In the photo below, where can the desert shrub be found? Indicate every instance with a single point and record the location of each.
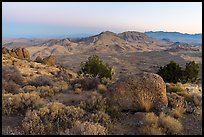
(41, 81)
(63, 74)
(191, 71)
(11, 73)
(100, 117)
(171, 72)
(113, 111)
(94, 103)
(51, 118)
(169, 124)
(195, 99)
(102, 88)
(60, 85)
(171, 87)
(87, 83)
(86, 128)
(12, 87)
(95, 68)
(11, 131)
(174, 100)
(18, 104)
(45, 91)
(77, 91)
(29, 88)
(145, 101)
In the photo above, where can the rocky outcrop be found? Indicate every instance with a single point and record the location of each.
(5, 50)
(21, 53)
(39, 59)
(137, 91)
(50, 60)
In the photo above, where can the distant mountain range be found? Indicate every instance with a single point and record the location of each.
(104, 42)
(193, 39)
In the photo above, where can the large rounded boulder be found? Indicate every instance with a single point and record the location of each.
(139, 92)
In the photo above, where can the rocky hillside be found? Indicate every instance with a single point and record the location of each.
(104, 42)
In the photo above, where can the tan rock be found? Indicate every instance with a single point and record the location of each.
(50, 60)
(139, 91)
(5, 50)
(26, 53)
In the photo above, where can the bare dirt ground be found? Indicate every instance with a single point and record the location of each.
(134, 62)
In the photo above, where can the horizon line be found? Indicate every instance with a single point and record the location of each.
(89, 35)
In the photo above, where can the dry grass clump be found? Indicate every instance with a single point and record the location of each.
(94, 103)
(151, 130)
(150, 119)
(52, 118)
(102, 88)
(41, 81)
(101, 118)
(86, 128)
(171, 87)
(177, 105)
(150, 125)
(145, 101)
(171, 125)
(178, 111)
(164, 124)
(18, 104)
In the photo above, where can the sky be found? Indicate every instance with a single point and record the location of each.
(79, 19)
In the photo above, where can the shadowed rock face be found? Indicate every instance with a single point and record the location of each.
(128, 92)
(21, 53)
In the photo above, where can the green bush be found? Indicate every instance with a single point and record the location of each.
(191, 71)
(95, 68)
(171, 72)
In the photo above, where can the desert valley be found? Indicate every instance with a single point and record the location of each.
(101, 68)
(49, 86)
